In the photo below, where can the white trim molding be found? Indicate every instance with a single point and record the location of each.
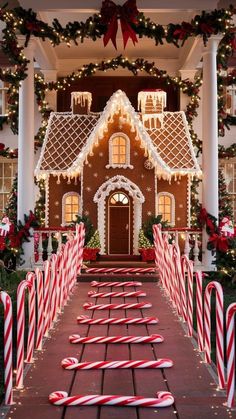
(171, 196)
(127, 164)
(71, 193)
(116, 183)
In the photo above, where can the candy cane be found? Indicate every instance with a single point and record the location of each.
(230, 329)
(199, 311)
(81, 239)
(119, 270)
(180, 283)
(46, 301)
(7, 304)
(61, 398)
(117, 339)
(187, 265)
(114, 320)
(53, 289)
(74, 364)
(115, 294)
(26, 284)
(219, 329)
(40, 319)
(91, 306)
(116, 284)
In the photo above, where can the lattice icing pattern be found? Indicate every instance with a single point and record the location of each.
(173, 143)
(66, 136)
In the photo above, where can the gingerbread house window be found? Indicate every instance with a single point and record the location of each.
(166, 207)
(119, 151)
(70, 207)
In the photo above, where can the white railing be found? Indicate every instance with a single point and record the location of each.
(189, 241)
(48, 240)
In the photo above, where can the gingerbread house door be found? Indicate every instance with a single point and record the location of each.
(119, 223)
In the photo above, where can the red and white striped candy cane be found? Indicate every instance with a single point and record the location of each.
(230, 330)
(116, 284)
(187, 266)
(61, 279)
(53, 288)
(115, 294)
(7, 304)
(182, 299)
(40, 318)
(125, 306)
(115, 320)
(26, 284)
(74, 364)
(30, 277)
(80, 248)
(219, 328)
(120, 270)
(61, 398)
(46, 298)
(154, 338)
(199, 311)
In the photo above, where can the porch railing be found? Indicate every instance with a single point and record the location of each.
(190, 242)
(48, 240)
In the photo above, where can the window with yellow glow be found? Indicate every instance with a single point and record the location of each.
(119, 150)
(71, 207)
(164, 207)
(8, 170)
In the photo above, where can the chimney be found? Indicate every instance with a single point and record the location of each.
(151, 103)
(81, 103)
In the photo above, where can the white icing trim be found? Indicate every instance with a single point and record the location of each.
(71, 193)
(171, 196)
(156, 96)
(119, 182)
(47, 201)
(188, 201)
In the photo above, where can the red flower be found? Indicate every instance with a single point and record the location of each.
(2, 243)
(2, 146)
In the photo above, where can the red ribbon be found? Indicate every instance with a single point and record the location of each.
(110, 13)
(219, 242)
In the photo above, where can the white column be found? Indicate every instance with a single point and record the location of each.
(210, 198)
(51, 95)
(26, 149)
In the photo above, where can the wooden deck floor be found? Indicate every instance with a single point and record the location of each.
(189, 380)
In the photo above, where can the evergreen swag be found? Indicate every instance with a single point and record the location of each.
(89, 228)
(148, 225)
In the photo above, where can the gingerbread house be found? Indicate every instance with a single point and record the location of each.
(118, 167)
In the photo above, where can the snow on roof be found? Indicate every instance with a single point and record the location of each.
(70, 138)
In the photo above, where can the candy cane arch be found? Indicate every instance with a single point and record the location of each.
(115, 294)
(116, 284)
(125, 306)
(61, 398)
(40, 319)
(230, 330)
(187, 265)
(116, 339)
(73, 364)
(26, 284)
(199, 311)
(219, 329)
(116, 320)
(120, 270)
(7, 304)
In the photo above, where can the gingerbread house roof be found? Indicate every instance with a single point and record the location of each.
(70, 138)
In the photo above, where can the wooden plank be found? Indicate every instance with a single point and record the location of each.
(118, 381)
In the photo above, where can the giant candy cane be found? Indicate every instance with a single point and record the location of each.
(120, 270)
(116, 284)
(61, 398)
(154, 338)
(82, 319)
(74, 364)
(91, 306)
(230, 329)
(40, 318)
(6, 300)
(115, 294)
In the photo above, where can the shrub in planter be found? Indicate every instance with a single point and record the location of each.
(92, 248)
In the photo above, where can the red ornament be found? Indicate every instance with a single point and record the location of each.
(110, 13)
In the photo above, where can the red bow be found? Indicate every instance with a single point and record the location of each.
(110, 13)
(203, 216)
(219, 243)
